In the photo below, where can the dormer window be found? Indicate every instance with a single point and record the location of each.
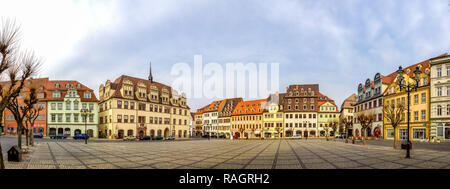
(87, 94)
(57, 85)
(78, 85)
(67, 85)
(56, 94)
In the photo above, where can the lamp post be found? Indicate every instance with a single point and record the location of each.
(408, 87)
(84, 113)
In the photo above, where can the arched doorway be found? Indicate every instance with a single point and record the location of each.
(368, 132)
(159, 133)
(377, 132)
(289, 133)
(120, 134)
(77, 131)
(322, 133)
(312, 133)
(298, 133)
(60, 131)
(166, 132)
(185, 134)
(90, 132)
(152, 133)
(141, 134)
(305, 134)
(179, 133)
(130, 132)
(357, 132)
(52, 131)
(67, 132)
(237, 134)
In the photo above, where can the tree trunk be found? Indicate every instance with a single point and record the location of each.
(395, 140)
(31, 137)
(19, 135)
(26, 137)
(2, 165)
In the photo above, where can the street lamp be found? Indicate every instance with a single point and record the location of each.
(408, 87)
(84, 113)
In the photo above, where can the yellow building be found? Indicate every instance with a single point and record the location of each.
(140, 107)
(273, 117)
(327, 112)
(419, 105)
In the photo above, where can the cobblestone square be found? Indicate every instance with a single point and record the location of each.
(226, 154)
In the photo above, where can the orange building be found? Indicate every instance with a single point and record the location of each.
(246, 120)
(40, 125)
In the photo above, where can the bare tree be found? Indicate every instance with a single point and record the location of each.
(394, 115)
(327, 127)
(347, 123)
(29, 103)
(334, 124)
(365, 119)
(15, 68)
(31, 117)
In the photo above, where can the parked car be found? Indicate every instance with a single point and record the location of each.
(81, 136)
(129, 138)
(58, 136)
(170, 138)
(340, 135)
(38, 135)
(298, 136)
(158, 138)
(222, 136)
(145, 138)
(205, 136)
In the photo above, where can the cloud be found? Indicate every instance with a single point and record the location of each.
(337, 44)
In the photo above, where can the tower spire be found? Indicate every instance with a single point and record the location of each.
(150, 77)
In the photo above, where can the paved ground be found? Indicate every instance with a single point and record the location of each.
(226, 154)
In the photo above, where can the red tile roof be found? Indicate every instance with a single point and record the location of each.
(50, 86)
(250, 107)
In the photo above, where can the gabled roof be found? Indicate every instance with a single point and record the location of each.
(50, 86)
(349, 101)
(251, 107)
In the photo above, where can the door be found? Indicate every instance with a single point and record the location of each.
(120, 134)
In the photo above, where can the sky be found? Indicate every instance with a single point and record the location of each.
(334, 43)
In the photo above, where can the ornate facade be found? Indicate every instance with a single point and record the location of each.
(440, 98)
(142, 107)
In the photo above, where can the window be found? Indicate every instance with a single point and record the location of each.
(125, 118)
(416, 99)
(75, 106)
(439, 72)
(424, 115)
(125, 104)
(87, 94)
(53, 105)
(448, 109)
(91, 118)
(67, 117)
(390, 133)
(448, 90)
(132, 105)
(119, 104)
(439, 91)
(403, 134)
(68, 105)
(119, 118)
(416, 116)
(53, 117)
(448, 70)
(419, 133)
(59, 117)
(60, 106)
(56, 94)
(91, 106)
(75, 118)
(439, 110)
(424, 98)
